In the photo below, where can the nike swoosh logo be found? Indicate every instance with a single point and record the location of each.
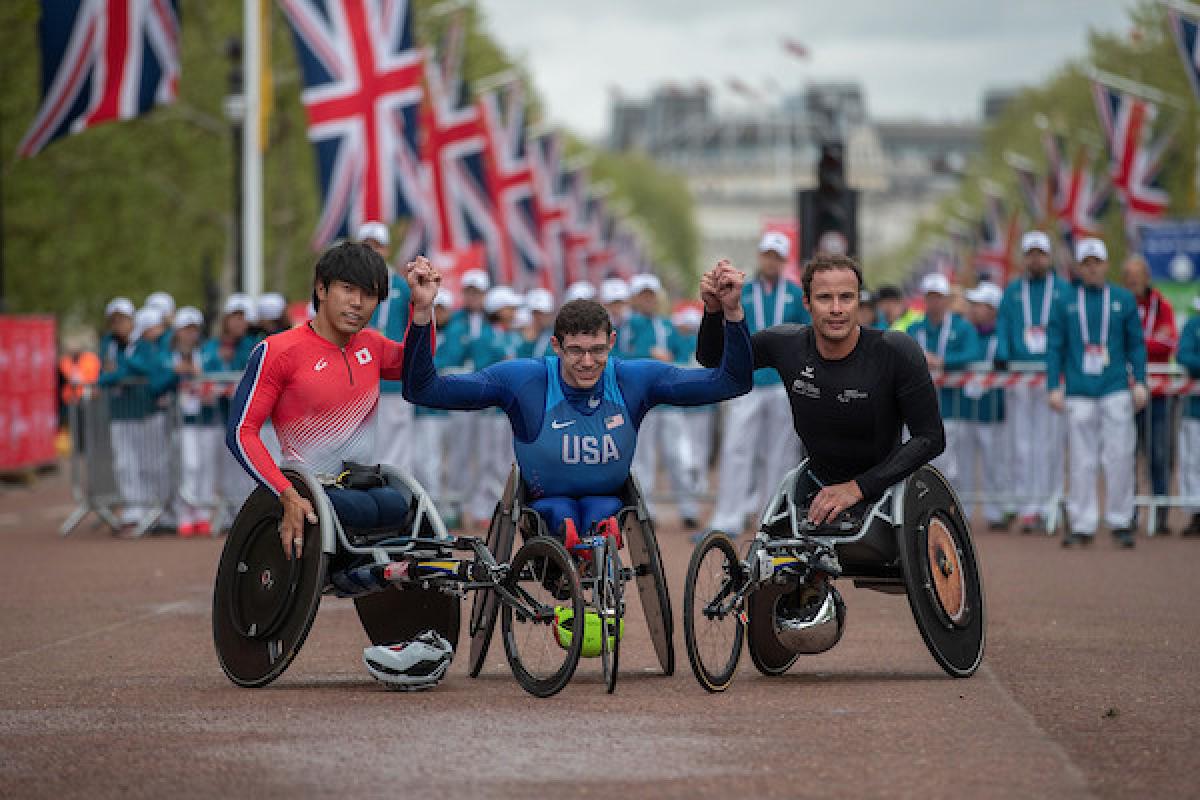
(555, 424)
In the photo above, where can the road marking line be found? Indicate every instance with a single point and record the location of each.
(1071, 769)
(164, 608)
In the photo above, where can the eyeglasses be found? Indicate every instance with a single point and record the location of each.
(577, 353)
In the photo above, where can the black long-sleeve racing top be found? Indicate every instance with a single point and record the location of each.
(850, 412)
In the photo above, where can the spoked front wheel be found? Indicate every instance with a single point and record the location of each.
(713, 627)
(609, 608)
(542, 617)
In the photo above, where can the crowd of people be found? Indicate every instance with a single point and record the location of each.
(1006, 445)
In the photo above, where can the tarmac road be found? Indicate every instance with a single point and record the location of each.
(111, 689)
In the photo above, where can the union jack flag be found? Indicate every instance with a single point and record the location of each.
(362, 92)
(1127, 121)
(102, 60)
(1080, 198)
(1186, 32)
(510, 178)
(577, 227)
(545, 153)
(997, 237)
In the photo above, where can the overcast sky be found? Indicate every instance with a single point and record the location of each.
(922, 58)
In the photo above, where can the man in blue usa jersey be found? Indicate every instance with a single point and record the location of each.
(575, 414)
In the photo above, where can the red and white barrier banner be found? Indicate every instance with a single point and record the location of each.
(1158, 383)
(28, 391)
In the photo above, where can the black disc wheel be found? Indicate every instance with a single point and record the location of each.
(484, 604)
(609, 608)
(264, 603)
(941, 574)
(767, 653)
(646, 562)
(713, 627)
(542, 617)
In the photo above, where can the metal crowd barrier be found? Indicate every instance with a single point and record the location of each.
(1157, 431)
(127, 464)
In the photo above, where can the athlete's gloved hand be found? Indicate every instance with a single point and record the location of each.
(296, 510)
(1141, 396)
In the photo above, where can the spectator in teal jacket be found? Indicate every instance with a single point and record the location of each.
(1188, 357)
(950, 343)
(1095, 343)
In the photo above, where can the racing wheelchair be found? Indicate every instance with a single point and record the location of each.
(603, 577)
(779, 596)
(403, 574)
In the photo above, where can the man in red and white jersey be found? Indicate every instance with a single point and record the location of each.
(319, 384)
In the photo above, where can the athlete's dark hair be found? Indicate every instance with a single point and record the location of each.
(824, 263)
(581, 316)
(354, 263)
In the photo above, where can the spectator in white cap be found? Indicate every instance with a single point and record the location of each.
(199, 434)
(755, 458)
(1038, 433)
(138, 421)
(950, 344)
(1095, 343)
(579, 290)
(648, 334)
(165, 305)
(431, 426)
(271, 315)
(394, 413)
(118, 315)
(1188, 357)
(540, 303)
(982, 444)
(614, 296)
(466, 327)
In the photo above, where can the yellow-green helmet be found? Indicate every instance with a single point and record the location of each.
(591, 630)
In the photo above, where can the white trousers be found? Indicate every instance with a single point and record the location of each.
(395, 431)
(462, 457)
(948, 461)
(658, 437)
(688, 468)
(1189, 459)
(495, 454)
(198, 447)
(759, 446)
(125, 466)
(1038, 449)
(430, 433)
(981, 466)
(1102, 438)
(142, 453)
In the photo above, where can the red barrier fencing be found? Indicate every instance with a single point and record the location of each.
(28, 391)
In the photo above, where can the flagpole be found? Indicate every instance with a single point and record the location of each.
(1135, 88)
(252, 214)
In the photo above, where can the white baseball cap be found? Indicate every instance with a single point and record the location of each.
(119, 305)
(444, 297)
(188, 315)
(374, 231)
(687, 317)
(146, 318)
(239, 302)
(579, 290)
(162, 301)
(540, 300)
(500, 297)
(775, 242)
(614, 290)
(476, 279)
(1196, 302)
(1090, 248)
(935, 283)
(1035, 240)
(271, 306)
(522, 318)
(644, 282)
(987, 293)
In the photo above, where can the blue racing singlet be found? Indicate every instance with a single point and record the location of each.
(579, 452)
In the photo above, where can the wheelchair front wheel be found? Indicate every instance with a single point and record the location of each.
(609, 608)
(543, 628)
(712, 627)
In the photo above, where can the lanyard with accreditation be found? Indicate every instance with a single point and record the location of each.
(1095, 356)
(1035, 335)
(780, 300)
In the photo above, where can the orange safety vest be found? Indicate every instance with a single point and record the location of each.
(78, 373)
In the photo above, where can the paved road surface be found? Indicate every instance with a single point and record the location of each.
(111, 689)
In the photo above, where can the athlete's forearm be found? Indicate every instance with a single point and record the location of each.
(694, 387)
(424, 386)
(919, 411)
